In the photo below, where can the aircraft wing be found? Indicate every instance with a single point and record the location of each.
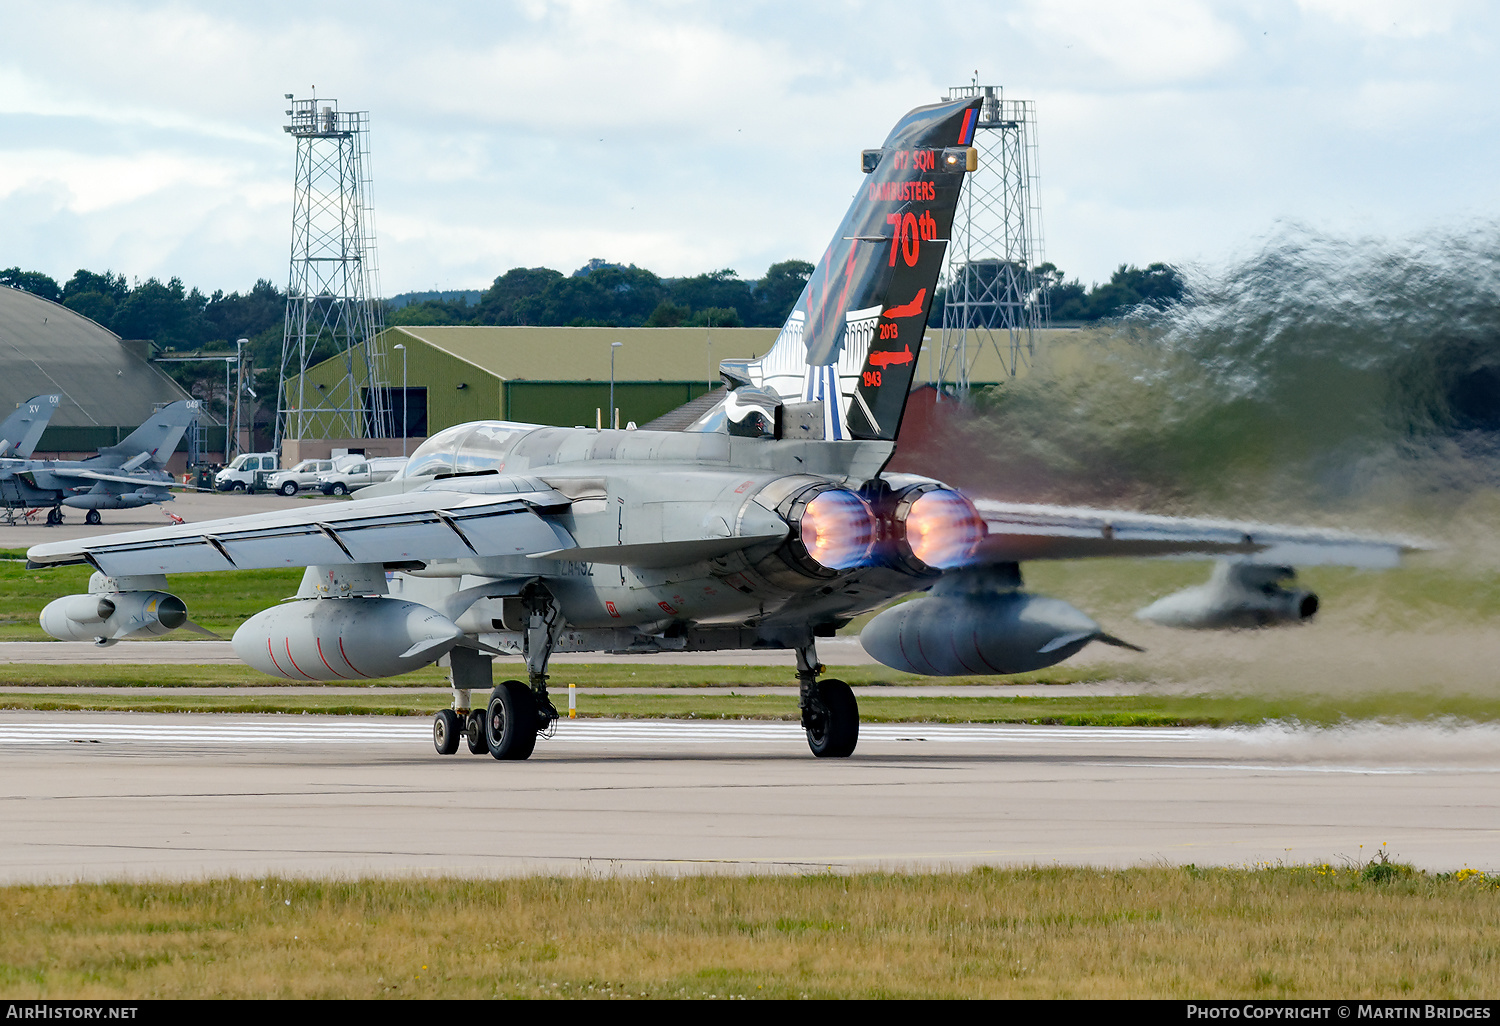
(94, 475)
(421, 525)
(1020, 531)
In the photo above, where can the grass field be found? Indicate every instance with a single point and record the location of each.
(582, 674)
(1443, 586)
(219, 602)
(1068, 710)
(1335, 930)
(1346, 929)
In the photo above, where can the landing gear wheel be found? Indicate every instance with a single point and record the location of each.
(510, 721)
(834, 734)
(92, 517)
(54, 517)
(289, 488)
(474, 733)
(445, 732)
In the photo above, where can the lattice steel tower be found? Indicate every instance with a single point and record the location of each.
(332, 305)
(993, 298)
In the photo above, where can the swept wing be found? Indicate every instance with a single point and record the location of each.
(1017, 532)
(421, 525)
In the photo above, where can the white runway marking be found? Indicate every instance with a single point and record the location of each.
(253, 733)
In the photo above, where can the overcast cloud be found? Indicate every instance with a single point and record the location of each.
(146, 138)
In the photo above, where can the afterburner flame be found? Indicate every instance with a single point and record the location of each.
(838, 529)
(943, 529)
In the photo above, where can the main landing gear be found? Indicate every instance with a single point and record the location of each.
(516, 713)
(54, 516)
(507, 726)
(830, 715)
(92, 517)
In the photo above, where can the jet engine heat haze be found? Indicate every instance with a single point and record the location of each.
(768, 523)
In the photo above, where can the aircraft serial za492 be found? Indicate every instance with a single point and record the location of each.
(766, 523)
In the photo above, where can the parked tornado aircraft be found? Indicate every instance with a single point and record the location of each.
(122, 476)
(766, 523)
(22, 430)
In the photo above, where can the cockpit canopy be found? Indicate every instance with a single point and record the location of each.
(466, 448)
(746, 411)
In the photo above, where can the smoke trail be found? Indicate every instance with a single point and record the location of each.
(1319, 370)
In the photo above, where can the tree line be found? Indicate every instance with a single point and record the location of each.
(598, 294)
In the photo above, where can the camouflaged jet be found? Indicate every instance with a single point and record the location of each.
(764, 521)
(22, 430)
(123, 476)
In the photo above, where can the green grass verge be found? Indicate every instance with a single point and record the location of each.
(1427, 588)
(1097, 711)
(220, 601)
(582, 674)
(1373, 930)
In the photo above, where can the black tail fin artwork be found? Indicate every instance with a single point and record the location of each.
(853, 339)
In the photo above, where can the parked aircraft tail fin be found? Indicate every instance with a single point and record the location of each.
(854, 337)
(158, 438)
(22, 430)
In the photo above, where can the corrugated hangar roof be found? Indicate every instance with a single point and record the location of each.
(45, 347)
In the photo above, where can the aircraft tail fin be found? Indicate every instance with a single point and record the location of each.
(22, 430)
(855, 334)
(158, 438)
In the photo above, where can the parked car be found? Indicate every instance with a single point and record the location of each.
(305, 474)
(239, 475)
(357, 475)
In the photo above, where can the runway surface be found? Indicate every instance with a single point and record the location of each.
(100, 796)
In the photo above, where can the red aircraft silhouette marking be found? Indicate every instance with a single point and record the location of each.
(886, 359)
(908, 309)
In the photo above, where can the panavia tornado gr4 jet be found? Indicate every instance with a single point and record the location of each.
(123, 476)
(766, 523)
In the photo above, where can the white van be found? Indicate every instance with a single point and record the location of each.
(239, 475)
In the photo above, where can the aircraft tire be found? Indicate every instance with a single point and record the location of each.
(92, 517)
(510, 721)
(837, 735)
(474, 733)
(445, 732)
(54, 517)
(289, 488)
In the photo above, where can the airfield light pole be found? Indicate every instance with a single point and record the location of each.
(228, 363)
(239, 380)
(405, 424)
(614, 414)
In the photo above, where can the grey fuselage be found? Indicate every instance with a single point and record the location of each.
(677, 533)
(27, 483)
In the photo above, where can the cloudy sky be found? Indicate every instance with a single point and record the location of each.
(684, 136)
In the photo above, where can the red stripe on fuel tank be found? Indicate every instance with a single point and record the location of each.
(319, 643)
(347, 663)
(294, 661)
(272, 653)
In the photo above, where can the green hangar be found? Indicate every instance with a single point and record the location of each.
(558, 376)
(536, 375)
